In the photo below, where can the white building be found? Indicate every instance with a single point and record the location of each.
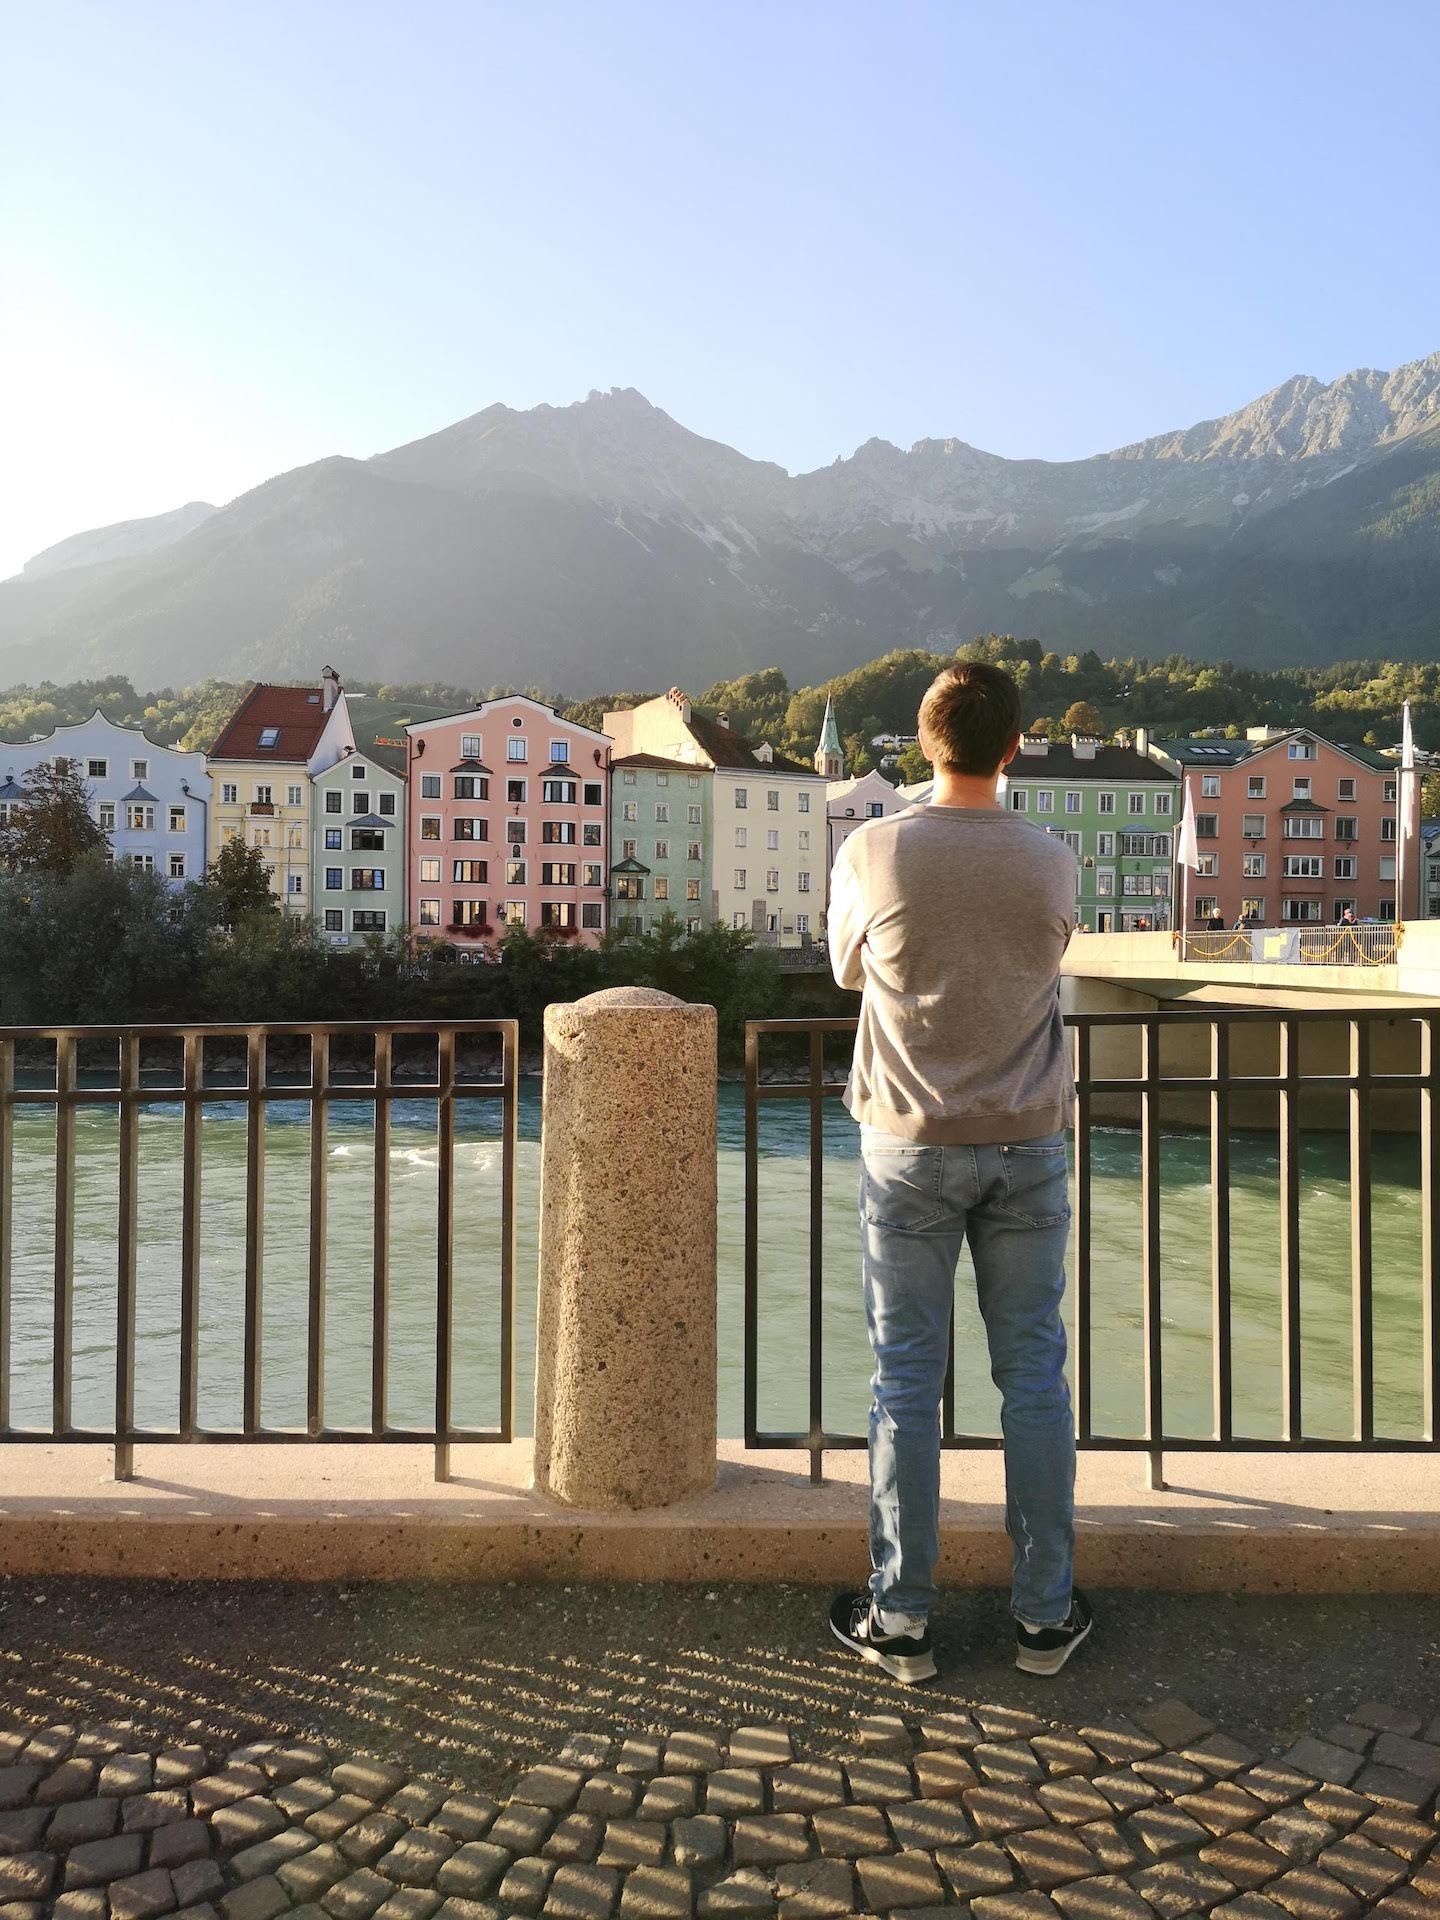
(151, 802)
(768, 859)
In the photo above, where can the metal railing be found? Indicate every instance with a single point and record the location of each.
(125, 1089)
(1368, 944)
(1217, 1088)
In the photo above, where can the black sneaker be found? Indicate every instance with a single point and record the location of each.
(904, 1656)
(1046, 1649)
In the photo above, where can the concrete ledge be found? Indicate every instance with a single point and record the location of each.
(1252, 1523)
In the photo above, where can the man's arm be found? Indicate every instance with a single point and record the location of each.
(845, 924)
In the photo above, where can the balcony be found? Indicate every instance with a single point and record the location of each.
(262, 809)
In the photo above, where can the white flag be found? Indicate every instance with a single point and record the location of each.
(1187, 844)
(1407, 765)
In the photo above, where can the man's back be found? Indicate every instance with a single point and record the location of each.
(954, 921)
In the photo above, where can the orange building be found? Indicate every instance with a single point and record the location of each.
(1293, 830)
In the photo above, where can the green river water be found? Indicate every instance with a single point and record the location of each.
(1117, 1316)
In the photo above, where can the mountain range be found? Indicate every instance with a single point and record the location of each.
(602, 544)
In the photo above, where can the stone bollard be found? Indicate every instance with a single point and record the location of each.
(625, 1336)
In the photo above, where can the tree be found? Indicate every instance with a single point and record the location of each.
(238, 884)
(51, 830)
(1430, 796)
(912, 766)
(1083, 716)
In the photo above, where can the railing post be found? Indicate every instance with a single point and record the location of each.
(625, 1388)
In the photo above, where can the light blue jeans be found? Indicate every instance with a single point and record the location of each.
(917, 1205)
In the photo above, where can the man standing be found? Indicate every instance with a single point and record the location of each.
(952, 918)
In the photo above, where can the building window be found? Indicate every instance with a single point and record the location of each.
(1301, 789)
(630, 886)
(1162, 805)
(1387, 829)
(662, 849)
(772, 880)
(739, 922)
(557, 873)
(628, 849)
(367, 879)
(177, 819)
(692, 816)
(140, 818)
(558, 793)
(1105, 883)
(1072, 840)
(594, 793)
(742, 796)
(140, 769)
(1107, 803)
(1253, 826)
(387, 806)
(334, 920)
(466, 873)
(1252, 907)
(514, 873)
(772, 840)
(1105, 845)
(229, 794)
(1137, 803)
(471, 786)
(1342, 905)
(469, 746)
(629, 777)
(1303, 866)
(1306, 910)
(1255, 786)
(1347, 826)
(662, 887)
(802, 923)
(515, 793)
(334, 802)
(557, 833)
(694, 850)
(333, 838)
(739, 879)
(662, 813)
(772, 799)
(590, 876)
(804, 883)
(1044, 801)
(515, 747)
(1207, 825)
(97, 769)
(1344, 866)
(1252, 866)
(1346, 790)
(592, 834)
(297, 883)
(802, 802)
(145, 862)
(629, 810)
(742, 836)
(105, 816)
(1207, 865)
(1209, 786)
(513, 913)
(1019, 800)
(368, 920)
(1305, 826)
(590, 914)
(466, 827)
(1205, 905)
(264, 796)
(1072, 800)
(692, 889)
(294, 796)
(334, 879)
(357, 769)
(429, 786)
(802, 836)
(559, 753)
(557, 913)
(430, 871)
(177, 866)
(429, 913)
(1387, 866)
(1302, 749)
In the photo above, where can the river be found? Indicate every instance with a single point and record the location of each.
(1117, 1315)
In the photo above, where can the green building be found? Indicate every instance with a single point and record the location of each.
(1118, 811)
(661, 833)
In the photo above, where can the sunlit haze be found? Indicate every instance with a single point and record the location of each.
(239, 238)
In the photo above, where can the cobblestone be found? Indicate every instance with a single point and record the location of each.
(990, 1808)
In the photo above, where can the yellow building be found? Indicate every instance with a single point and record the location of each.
(261, 768)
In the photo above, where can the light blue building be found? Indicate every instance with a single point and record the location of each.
(152, 802)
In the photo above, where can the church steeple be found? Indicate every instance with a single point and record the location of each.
(830, 755)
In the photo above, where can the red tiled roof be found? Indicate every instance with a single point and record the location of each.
(728, 749)
(298, 712)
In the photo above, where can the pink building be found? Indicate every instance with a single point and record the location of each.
(508, 824)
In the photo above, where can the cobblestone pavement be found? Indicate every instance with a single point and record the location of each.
(989, 1812)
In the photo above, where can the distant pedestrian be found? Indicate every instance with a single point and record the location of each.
(1215, 920)
(953, 918)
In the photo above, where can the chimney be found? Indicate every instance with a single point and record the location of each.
(682, 701)
(1142, 741)
(330, 687)
(723, 720)
(1084, 746)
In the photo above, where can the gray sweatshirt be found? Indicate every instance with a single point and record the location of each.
(953, 921)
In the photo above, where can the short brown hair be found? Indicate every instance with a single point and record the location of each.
(971, 713)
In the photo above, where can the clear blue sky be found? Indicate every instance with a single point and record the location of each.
(240, 236)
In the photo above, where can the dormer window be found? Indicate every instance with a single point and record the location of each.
(1302, 749)
(357, 773)
(269, 737)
